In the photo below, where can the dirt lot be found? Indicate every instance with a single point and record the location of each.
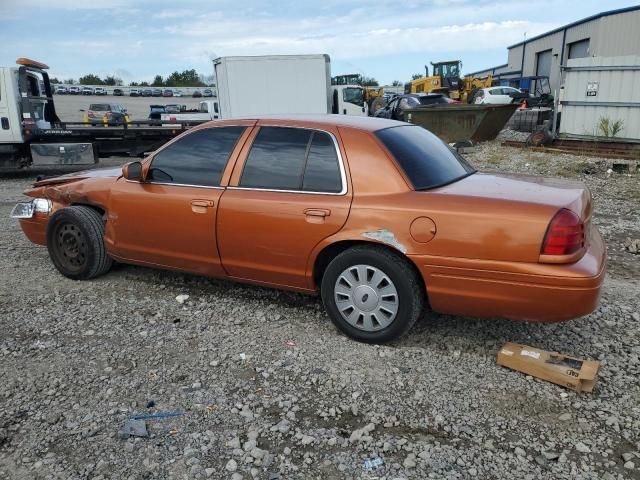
(269, 389)
(68, 106)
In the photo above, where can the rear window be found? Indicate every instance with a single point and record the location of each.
(425, 159)
(432, 100)
(99, 107)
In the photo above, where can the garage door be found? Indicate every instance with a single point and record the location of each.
(543, 63)
(579, 49)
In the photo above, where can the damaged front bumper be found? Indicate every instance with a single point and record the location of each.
(34, 217)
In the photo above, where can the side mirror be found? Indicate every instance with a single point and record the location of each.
(132, 171)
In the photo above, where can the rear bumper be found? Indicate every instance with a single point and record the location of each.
(517, 291)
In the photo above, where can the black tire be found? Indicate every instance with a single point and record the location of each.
(75, 240)
(409, 287)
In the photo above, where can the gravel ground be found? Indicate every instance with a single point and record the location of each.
(269, 389)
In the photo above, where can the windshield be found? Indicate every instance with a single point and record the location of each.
(353, 95)
(425, 159)
(99, 107)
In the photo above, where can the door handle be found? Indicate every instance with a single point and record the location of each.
(202, 203)
(201, 206)
(317, 212)
(5, 123)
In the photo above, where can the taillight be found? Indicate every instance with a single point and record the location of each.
(565, 234)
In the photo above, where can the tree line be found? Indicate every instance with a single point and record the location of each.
(186, 78)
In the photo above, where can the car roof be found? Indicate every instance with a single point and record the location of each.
(371, 124)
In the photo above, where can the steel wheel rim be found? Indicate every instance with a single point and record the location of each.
(70, 246)
(366, 298)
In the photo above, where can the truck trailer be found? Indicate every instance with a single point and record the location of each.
(288, 84)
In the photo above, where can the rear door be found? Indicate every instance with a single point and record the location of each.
(288, 192)
(170, 219)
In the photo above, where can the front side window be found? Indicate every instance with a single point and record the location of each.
(284, 158)
(196, 159)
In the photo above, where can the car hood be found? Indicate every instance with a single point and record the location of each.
(75, 176)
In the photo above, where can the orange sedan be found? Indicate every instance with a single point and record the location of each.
(379, 217)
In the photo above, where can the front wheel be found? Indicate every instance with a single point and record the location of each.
(75, 240)
(372, 294)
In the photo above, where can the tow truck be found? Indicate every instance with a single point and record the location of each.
(33, 137)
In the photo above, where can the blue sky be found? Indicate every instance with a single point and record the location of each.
(389, 40)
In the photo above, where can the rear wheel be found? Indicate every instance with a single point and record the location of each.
(372, 294)
(75, 243)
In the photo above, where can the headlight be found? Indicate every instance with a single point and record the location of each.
(27, 209)
(42, 205)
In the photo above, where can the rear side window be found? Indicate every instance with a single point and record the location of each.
(425, 159)
(196, 159)
(322, 172)
(283, 158)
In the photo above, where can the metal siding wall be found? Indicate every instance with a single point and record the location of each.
(515, 58)
(588, 30)
(619, 35)
(614, 86)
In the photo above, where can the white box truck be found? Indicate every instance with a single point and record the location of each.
(274, 85)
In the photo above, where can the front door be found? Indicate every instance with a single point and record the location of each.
(288, 195)
(169, 220)
(9, 121)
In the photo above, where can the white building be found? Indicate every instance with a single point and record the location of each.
(608, 34)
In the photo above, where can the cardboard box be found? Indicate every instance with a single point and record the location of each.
(570, 372)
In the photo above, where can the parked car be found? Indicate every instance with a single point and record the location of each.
(396, 107)
(156, 92)
(167, 92)
(375, 216)
(87, 91)
(172, 108)
(156, 111)
(177, 93)
(207, 92)
(134, 92)
(61, 90)
(196, 94)
(111, 112)
(147, 92)
(117, 92)
(496, 95)
(100, 91)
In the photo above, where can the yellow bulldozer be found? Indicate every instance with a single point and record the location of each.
(446, 79)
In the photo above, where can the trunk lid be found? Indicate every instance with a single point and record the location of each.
(525, 189)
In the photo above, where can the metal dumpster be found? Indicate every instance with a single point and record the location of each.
(460, 122)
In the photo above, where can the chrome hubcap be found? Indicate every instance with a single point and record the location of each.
(366, 298)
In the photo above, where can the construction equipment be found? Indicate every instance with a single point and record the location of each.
(446, 79)
(536, 91)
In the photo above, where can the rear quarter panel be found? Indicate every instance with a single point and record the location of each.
(384, 207)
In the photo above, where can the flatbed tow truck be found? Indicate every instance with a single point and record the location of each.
(33, 137)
